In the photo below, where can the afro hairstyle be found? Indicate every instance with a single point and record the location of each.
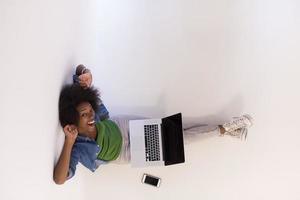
(70, 97)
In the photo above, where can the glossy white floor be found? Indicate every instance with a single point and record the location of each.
(207, 59)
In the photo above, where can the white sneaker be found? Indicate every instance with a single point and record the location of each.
(238, 133)
(244, 121)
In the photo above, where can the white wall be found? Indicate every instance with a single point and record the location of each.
(209, 60)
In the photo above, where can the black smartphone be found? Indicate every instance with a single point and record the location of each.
(151, 180)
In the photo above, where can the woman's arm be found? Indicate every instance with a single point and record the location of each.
(62, 167)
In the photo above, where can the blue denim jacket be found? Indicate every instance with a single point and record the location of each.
(85, 150)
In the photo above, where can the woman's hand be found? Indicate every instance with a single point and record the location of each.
(84, 75)
(71, 133)
(85, 80)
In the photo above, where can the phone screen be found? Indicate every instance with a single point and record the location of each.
(151, 180)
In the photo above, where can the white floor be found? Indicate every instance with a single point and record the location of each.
(209, 60)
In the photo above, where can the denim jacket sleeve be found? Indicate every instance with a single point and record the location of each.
(101, 113)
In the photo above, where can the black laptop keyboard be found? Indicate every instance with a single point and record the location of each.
(152, 142)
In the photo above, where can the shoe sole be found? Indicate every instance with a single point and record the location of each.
(249, 118)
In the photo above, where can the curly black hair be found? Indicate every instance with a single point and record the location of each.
(70, 97)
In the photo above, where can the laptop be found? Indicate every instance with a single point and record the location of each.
(156, 142)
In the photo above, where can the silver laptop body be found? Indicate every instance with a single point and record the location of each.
(146, 143)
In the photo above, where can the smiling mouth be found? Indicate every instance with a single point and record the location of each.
(90, 123)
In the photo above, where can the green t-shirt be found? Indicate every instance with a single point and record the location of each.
(109, 139)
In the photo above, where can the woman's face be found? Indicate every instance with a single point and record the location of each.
(86, 118)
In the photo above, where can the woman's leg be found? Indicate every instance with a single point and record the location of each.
(193, 132)
(237, 127)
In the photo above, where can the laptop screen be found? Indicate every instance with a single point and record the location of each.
(172, 139)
